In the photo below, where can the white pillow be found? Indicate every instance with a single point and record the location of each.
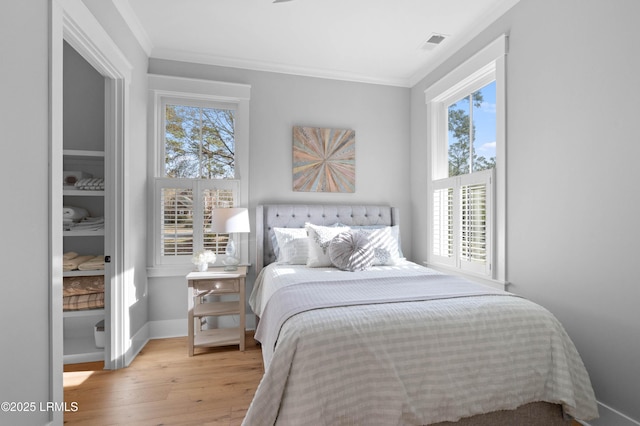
(351, 251)
(395, 232)
(293, 245)
(384, 243)
(319, 239)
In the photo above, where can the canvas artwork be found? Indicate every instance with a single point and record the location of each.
(324, 160)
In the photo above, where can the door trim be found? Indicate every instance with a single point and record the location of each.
(72, 22)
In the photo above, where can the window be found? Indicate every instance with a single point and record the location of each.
(466, 188)
(200, 144)
(472, 132)
(199, 141)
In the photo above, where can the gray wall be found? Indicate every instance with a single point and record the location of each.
(83, 103)
(378, 114)
(572, 196)
(24, 360)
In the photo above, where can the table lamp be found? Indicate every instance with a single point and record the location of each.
(229, 221)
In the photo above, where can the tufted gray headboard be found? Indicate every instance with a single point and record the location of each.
(269, 216)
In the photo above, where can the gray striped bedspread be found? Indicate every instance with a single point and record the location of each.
(410, 363)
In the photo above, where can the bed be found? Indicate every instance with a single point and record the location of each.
(384, 341)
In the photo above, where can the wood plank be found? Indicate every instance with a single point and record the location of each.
(163, 385)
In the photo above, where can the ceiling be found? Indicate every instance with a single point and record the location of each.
(373, 41)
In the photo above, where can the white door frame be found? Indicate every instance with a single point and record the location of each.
(72, 22)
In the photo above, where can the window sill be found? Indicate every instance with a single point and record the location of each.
(500, 285)
(165, 271)
(161, 271)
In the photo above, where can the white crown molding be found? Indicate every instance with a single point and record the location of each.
(131, 19)
(451, 46)
(183, 56)
(458, 43)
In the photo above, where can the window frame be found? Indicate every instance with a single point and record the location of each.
(201, 93)
(481, 69)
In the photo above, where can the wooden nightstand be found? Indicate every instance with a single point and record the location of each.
(216, 282)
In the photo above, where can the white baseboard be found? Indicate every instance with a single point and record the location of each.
(154, 330)
(167, 328)
(136, 343)
(178, 328)
(611, 417)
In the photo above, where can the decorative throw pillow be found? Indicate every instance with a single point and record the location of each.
(351, 251)
(384, 243)
(292, 245)
(395, 233)
(319, 239)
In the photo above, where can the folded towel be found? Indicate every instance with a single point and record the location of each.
(93, 184)
(74, 213)
(76, 286)
(94, 264)
(86, 224)
(69, 255)
(72, 264)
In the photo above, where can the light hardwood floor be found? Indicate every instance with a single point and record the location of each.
(163, 385)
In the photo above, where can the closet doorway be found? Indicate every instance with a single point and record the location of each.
(87, 218)
(75, 29)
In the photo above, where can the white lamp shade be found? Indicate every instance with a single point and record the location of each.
(229, 220)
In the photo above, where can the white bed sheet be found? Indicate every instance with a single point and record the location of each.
(277, 275)
(413, 363)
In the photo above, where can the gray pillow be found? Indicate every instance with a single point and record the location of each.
(351, 251)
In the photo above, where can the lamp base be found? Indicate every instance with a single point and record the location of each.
(230, 263)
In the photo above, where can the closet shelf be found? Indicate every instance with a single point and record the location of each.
(82, 193)
(82, 153)
(93, 273)
(83, 233)
(84, 313)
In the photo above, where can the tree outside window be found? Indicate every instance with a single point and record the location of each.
(472, 132)
(199, 142)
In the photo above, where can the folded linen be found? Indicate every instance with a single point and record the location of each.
(92, 184)
(69, 255)
(76, 286)
(93, 264)
(83, 302)
(74, 213)
(72, 264)
(88, 224)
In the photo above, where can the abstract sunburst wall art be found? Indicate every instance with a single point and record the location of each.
(324, 160)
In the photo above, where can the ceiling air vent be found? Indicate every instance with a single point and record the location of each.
(433, 40)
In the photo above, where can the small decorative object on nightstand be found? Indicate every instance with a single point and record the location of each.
(216, 282)
(202, 259)
(229, 221)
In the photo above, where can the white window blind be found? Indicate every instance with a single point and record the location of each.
(186, 207)
(211, 199)
(177, 221)
(462, 221)
(443, 223)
